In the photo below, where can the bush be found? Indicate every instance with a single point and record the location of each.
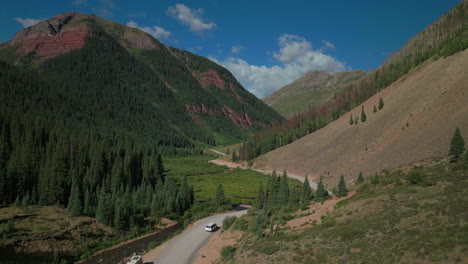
(269, 248)
(152, 245)
(228, 221)
(241, 225)
(227, 253)
(414, 177)
(363, 188)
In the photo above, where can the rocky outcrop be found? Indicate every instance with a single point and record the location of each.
(52, 37)
(66, 32)
(242, 120)
(210, 77)
(54, 45)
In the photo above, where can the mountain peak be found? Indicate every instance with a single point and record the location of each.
(67, 31)
(311, 89)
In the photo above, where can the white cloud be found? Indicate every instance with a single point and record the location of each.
(27, 22)
(328, 44)
(155, 31)
(296, 58)
(236, 49)
(191, 17)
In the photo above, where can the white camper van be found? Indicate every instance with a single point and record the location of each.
(136, 259)
(211, 227)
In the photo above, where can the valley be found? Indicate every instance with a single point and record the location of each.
(125, 133)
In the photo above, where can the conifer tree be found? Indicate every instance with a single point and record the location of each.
(457, 146)
(381, 103)
(74, 202)
(363, 115)
(220, 194)
(118, 222)
(259, 202)
(160, 172)
(306, 191)
(234, 158)
(360, 178)
(342, 190)
(283, 194)
(321, 194)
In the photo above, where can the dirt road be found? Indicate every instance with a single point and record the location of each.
(184, 247)
(312, 184)
(218, 152)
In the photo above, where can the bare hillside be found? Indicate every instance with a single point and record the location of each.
(417, 122)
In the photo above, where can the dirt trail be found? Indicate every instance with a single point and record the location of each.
(316, 210)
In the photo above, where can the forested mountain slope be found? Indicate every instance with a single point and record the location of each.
(312, 89)
(190, 97)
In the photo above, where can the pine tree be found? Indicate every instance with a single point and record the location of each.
(321, 194)
(10, 226)
(306, 191)
(87, 210)
(351, 120)
(118, 221)
(74, 202)
(342, 190)
(457, 146)
(363, 115)
(220, 194)
(260, 197)
(283, 193)
(234, 158)
(160, 172)
(360, 178)
(381, 103)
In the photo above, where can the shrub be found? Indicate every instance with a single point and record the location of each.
(241, 224)
(227, 253)
(228, 221)
(269, 248)
(152, 245)
(414, 177)
(363, 188)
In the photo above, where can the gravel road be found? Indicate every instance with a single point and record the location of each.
(183, 248)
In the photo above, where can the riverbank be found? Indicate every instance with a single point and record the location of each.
(121, 252)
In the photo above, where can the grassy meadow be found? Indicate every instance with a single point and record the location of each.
(240, 186)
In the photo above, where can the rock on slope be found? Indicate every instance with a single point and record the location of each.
(311, 89)
(417, 122)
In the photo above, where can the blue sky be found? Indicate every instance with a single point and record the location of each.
(266, 44)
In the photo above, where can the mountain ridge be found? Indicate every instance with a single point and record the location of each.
(421, 111)
(205, 91)
(310, 90)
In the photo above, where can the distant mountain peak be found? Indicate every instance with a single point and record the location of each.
(312, 88)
